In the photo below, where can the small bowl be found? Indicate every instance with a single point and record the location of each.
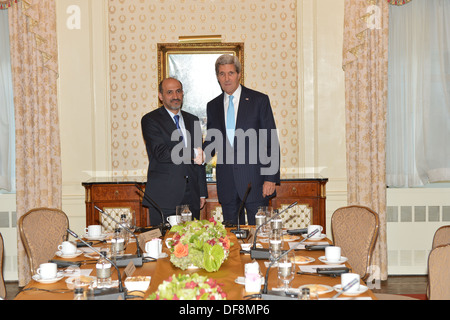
(138, 283)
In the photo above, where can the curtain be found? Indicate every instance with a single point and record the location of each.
(365, 54)
(5, 4)
(398, 2)
(34, 68)
(418, 151)
(6, 107)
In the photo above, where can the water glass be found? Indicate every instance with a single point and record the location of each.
(275, 244)
(286, 270)
(183, 213)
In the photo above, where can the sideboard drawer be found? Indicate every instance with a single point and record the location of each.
(114, 193)
(296, 189)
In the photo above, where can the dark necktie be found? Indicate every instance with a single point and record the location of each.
(177, 122)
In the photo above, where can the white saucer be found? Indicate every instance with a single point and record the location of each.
(361, 290)
(59, 276)
(161, 255)
(68, 256)
(99, 238)
(341, 261)
(316, 237)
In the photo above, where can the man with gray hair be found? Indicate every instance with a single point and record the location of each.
(241, 130)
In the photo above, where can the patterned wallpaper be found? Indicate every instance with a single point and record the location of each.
(268, 28)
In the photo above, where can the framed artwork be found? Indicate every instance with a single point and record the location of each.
(193, 63)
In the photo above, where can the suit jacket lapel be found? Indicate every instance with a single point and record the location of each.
(221, 112)
(244, 103)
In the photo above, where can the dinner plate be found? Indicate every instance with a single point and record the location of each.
(361, 290)
(59, 276)
(318, 288)
(341, 261)
(68, 256)
(303, 260)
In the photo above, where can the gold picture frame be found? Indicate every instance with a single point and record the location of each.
(193, 64)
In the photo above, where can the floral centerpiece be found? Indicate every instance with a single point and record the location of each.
(189, 287)
(199, 243)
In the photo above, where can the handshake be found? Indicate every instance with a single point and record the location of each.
(199, 156)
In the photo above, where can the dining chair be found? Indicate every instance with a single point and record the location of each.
(438, 273)
(441, 236)
(2, 280)
(355, 229)
(297, 217)
(41, 231)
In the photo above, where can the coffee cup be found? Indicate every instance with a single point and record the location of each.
(313, 227)
(47, 270)
(94, 230)
(333, 253)
(346, 278)
(67, 247)
(153, 247)
(173, 220)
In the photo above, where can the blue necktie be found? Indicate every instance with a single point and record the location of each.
(177, 122)
(230, 121)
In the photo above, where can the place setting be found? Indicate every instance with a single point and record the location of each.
(318, 236)
(48, 273)
(354, 290)
(68, 250)
(333, 256)
(94, 232)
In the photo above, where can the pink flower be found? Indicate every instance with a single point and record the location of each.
(191, 285)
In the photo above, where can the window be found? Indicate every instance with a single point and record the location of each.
(7, 136)
(418, 120)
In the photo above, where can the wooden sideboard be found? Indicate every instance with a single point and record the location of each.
(122, 192)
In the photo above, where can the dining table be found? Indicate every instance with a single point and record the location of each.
(230, 274)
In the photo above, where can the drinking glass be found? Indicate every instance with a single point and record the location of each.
(260, 217)
(277, 223)
(306, 294)
(183, 213)
(286, 270)
(267, 211)
(275, 244)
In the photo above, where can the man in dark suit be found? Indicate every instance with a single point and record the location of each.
(171, 135)
(241, 130)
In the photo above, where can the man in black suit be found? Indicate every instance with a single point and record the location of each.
(171, 135)
(241, 130)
